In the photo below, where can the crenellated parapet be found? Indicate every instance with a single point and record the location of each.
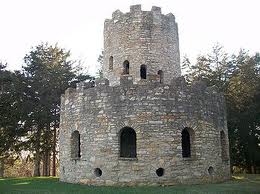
(194, 101)
(137, 15)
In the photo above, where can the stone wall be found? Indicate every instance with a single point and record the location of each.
(158, 113)
(142, 38)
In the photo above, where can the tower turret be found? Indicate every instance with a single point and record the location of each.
(143, 44)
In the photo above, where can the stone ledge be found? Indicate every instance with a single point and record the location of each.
(127, 159)
(189, 159)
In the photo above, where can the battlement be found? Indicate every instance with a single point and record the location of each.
(178, 95)
(136, 14)
(126, 81)
(138, 9)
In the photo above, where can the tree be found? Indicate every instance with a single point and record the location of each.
(243, 110)
(11, 116)
(49, 72)
(238, 77)
(213, 68)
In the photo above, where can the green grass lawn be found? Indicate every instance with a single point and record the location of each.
(45, 185)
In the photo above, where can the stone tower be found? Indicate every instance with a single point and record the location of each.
(142, 124)
(143, 44)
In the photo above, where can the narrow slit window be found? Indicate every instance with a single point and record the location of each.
(126, 67)
(160, 73)
(75, 145)
(143, 71)
(111, 62)
(185, 140)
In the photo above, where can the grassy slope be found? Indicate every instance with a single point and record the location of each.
(45, 185)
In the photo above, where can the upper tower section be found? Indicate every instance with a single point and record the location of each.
(144, 44)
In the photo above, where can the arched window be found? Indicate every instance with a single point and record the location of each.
(187, 139)
(128, 143)
(160, 73)
(75, 145)
(111, 61)
(126, 67)
(143, 71)
(223, 145)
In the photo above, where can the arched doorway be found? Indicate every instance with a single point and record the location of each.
(127, 143)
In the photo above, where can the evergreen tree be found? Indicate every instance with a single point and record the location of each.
(49, 72)
(238, 77)
(11, 114)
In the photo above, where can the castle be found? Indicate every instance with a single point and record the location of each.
(142, 124)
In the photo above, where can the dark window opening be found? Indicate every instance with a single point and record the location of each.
(98, 172)
(143, 72)
(223, 146)
(211, 170)
(128, 143)
(186, 144)
(126, 67)
(160, 172)
(160, 73)
(75, 145)
(111, 61)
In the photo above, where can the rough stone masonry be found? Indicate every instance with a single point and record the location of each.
(142, 124)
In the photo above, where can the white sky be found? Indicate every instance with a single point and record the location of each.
(77, 25)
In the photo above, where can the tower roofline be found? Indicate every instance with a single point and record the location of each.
(137, 10)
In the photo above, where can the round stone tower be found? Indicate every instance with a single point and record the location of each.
(143, 44)
(142, 124)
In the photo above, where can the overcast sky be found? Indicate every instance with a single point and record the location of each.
(77, 25)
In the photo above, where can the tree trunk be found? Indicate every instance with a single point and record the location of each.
(37, 163)
(1, 167)
(46, 164)
(54, 149)
(47, 151)
(37, 158)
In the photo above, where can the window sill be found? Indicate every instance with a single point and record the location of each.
(189, 159)
(127, 159)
